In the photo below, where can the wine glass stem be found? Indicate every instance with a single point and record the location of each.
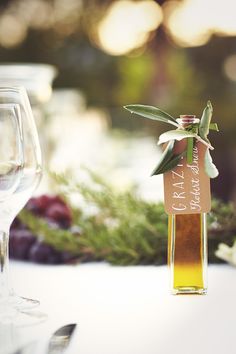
(4, 265)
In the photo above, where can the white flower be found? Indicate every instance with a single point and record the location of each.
(227, 253)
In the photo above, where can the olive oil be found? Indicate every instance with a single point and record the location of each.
(187, 167)
(187, 237)
(187, 253)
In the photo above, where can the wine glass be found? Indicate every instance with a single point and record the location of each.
(20, 174)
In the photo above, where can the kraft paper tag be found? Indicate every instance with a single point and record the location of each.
(187, 187)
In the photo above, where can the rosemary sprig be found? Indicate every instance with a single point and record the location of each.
(125, 229)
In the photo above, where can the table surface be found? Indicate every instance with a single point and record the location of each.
(125, 310)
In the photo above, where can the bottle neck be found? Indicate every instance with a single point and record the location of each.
(187, 119)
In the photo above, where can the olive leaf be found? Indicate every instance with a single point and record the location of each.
(168, 160)
(210, 168)
(175, 135)
(214, 126)
(165, 157)
(151, 112)
(205, 121)
(173, 162)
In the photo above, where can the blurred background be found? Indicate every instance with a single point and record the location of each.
(81, 61)
(172, 54)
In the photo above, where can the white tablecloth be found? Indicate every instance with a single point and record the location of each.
(126, 310)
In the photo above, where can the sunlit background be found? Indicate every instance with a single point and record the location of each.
(172, 54)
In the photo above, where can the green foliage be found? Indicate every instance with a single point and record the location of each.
(134, 76)
(188, 86)
(124, 229)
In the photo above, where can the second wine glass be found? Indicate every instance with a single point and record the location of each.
(20, 174)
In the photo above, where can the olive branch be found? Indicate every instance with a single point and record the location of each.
(193, 132)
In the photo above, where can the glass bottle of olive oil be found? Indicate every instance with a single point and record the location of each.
(187, 253)
(187, 247)
(187, 167)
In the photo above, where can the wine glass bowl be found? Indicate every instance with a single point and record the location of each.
(20, 174)
(11, 150)
(32, 169)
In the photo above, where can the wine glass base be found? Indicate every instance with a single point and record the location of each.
(21, 318)
(22, 303)
(29, 318)
(20, 310)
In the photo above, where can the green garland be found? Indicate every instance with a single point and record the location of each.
(125, 229)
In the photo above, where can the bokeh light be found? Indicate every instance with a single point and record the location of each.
(183, 23)
(12, 30)
(35, 14)
(66, 16)
(127, 25)
(192, 22)
(19, 16)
